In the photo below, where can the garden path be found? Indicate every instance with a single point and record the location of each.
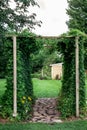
(45, 110)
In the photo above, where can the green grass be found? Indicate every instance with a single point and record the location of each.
(46, 88)
(42, 88)
(75, 125)
(2, 86)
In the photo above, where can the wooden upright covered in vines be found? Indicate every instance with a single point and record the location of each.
(72, 99)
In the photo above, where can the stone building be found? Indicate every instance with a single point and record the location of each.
(56, 71)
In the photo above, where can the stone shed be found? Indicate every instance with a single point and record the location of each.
(56, 71)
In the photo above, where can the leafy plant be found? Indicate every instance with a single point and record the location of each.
(67, 103)
(25, 46)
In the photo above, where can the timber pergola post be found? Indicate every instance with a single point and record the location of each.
(14, 76)
(77, 74)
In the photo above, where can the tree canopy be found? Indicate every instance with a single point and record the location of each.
(18, 17)
(77, 12)
(14, 19)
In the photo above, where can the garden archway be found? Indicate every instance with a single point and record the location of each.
(76, 42)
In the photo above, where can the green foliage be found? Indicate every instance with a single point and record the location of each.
(77, 12)
(9, 17)
(26, 106)
(47, 54)
(2, 59)
(25, 46)
(67, 103)
(85, 52)
(7, 98)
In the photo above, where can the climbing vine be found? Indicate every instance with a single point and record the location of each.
(25, 97)
(67, 102)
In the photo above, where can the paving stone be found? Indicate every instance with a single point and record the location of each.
(45, 110)
(57, 121)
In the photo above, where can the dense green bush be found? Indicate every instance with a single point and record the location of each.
(2, 59)
(67, 102)
(25, 97)
(7, 99)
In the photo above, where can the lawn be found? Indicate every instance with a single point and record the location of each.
(2, 86)
(46, 88)
(75, 125)
(42, 88)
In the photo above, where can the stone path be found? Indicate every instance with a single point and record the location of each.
(45, 110)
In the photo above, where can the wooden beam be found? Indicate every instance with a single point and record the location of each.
(77, 76)
(46, 37)
(14, 77)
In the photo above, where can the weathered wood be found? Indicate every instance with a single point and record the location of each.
(14, 77)
(77, 76)
(42, 73)
(46, 37)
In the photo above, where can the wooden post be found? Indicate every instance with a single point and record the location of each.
(42, 74)
(14, 78)
(77, 76)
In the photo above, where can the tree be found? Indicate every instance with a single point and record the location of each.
(77, 12)
(47, 54)
(13, 20)
(18, 17)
